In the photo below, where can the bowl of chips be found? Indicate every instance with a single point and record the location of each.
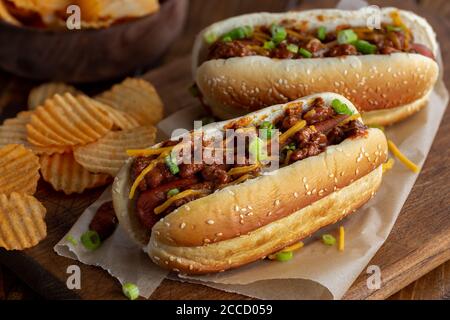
(82, 41)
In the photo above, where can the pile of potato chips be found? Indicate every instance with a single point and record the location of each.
(94, 13)
(77, 142)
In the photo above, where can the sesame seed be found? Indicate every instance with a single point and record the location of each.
(179, 260)
(314, 191)
(277, 202)
(156, 258)
(331, 175)
(206, 240)
(250, 207)
(304, 179)
(167, 224)
(210, 222)
(166, 262)
(241, 222)
(219, 234)
(236, 208)
(306, 187)
(182, 225)
(244, 209)
(191, 267)
(308, 193)
(269, 214)
(296, 194)
(188, 208)
(175, 270)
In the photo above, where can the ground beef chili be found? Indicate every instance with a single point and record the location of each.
(104, 221)
(298, 43)
(323, 127)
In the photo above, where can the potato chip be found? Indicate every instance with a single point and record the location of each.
(96, 10)
(45, 91)
(65, 174)
(6, 16)
(67, 121)
(136, 97)
(108, 154)
(14, 131)
(122, 120)
(22, 222)
(19, 170)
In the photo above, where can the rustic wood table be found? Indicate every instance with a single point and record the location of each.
(415, 257)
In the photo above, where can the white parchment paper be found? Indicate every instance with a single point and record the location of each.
(317, 271)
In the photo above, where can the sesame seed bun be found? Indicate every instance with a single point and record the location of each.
(245, 222)
(238, 85)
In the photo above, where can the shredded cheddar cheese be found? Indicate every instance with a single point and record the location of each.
(403, 159)
(176, 197)
(388, 165)
(148, 152)
(341, 239)
(295, 128)
(397, 20)
(243, 170)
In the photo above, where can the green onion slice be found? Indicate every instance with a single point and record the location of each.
(321, 33)
(278, 33)
(257, 149)
(340, 107)
(346, 36)
(292, 48)
(266, 129)
(227, 39)
(328, 239)
(394, 29)
(238, 33)
(284, 256)
(269, 45)
(365, 47)
(172, 192)
(305, 53)
(172, 165)
(210, 38)
(72, 240)
(291, 146)
(91, 240)
(131, 291)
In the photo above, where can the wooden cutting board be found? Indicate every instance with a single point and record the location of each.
(419, 242)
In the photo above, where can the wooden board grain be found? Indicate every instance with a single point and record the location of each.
(419, 242)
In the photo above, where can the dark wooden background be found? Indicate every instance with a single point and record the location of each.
(434, 285)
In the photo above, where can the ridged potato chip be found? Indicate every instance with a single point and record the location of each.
(6, 16)
(22, 222)
(136, 97)
(122, 120)
(45, 91)
(14, 131)
(65, 174)
(19, 170)
(97, 10)
(108, 154)
(67, 121)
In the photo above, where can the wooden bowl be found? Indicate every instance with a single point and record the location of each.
(91, 55)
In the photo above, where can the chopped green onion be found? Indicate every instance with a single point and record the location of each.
(292, 48)
(322, 33)
(207, 120)
(278, 33)
(340, 107)
(328, 239)
(227, 39)
(365, 47)
(284, 256)
(305, 53)
(266, 129)
(72, 240)
(173, 192)
(346, 36)
(172, 165)
(131, 291)
(291, 146)
(91, 240)
(194, 91)
(256, 148)
(393, 29)
(269, 45)
(210, 38)
(238, 33)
